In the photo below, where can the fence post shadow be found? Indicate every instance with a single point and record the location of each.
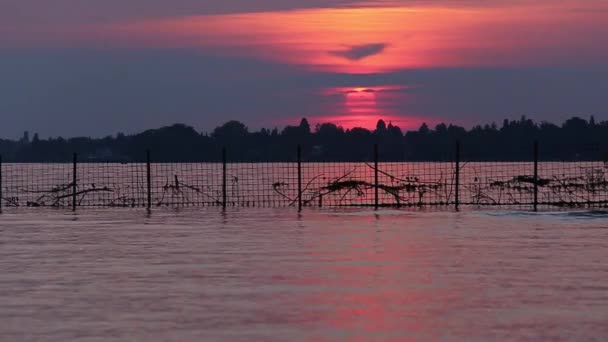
(376, 183)
(536, 175)
(224, 170)
(148, 180)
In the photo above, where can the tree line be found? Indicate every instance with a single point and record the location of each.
(575, 139)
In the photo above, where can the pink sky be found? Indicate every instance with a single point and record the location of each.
(327, 37)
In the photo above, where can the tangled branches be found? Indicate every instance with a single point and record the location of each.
(347, 189)
(59, 196)
(562, 190)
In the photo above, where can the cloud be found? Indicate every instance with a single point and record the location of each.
(359, 52)
(92, 92)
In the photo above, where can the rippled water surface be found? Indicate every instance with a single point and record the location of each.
(274, 275)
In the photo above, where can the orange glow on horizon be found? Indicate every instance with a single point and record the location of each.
(364, 106)
(369, 122)
(383, 39)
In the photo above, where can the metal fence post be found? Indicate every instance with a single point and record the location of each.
(536, 175)
(457, 176)
(376, 184)
(74, 179)
(224, 178)
(299, 178)
(149, 179)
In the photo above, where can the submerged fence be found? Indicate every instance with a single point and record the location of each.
(452, 183)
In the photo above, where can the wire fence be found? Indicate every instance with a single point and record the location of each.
(450, 183)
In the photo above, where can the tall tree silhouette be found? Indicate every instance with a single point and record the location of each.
(575, 139)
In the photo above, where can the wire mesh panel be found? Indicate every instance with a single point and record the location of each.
(323, 184)
(186, 184)
(417, 183)
(497, 183)
(37, 185)
(262, 184)
(573, 183)
(111, 185)
(337, 184)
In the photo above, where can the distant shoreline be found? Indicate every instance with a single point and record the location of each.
(575, 140)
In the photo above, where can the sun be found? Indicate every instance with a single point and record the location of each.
(362, 106)
(359, 100)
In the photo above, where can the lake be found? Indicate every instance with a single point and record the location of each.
(276, 275)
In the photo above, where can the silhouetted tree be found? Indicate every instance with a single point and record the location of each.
(424, 129)
(230, 131)
(304, 126)
(380, 127)
(575, 139)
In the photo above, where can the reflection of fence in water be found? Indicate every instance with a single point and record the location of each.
(322, 184)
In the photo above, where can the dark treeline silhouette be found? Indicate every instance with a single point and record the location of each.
(575, 139)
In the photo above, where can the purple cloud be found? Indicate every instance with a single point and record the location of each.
(359, 52)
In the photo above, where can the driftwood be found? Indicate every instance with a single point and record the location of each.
(55, 196)
(177, 191)
(409, 189)
(557, 190)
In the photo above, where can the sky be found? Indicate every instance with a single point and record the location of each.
(94, 68)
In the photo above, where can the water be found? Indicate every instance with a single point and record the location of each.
(274, 275)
